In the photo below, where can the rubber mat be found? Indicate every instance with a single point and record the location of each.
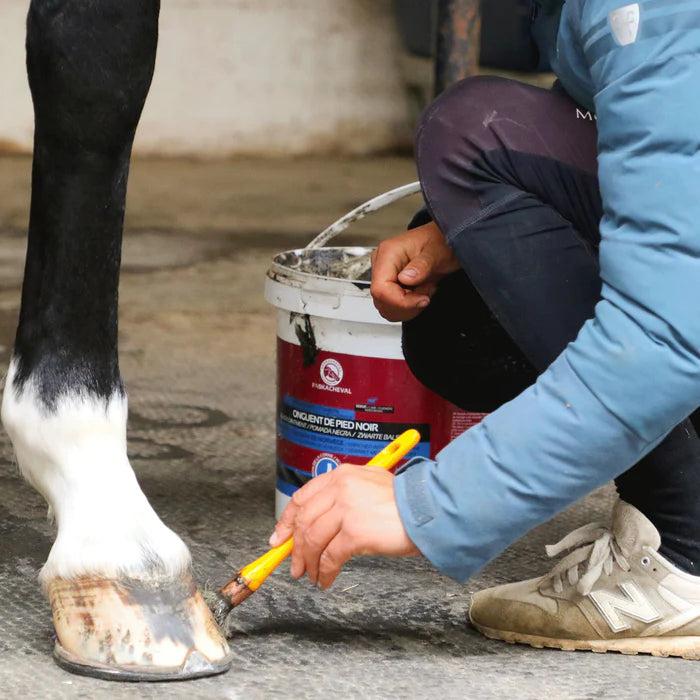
(197, 349)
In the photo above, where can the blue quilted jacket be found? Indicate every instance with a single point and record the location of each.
(633, 372)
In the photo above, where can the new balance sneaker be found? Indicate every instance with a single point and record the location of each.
(613, 591)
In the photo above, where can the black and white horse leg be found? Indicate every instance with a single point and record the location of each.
(118, 579)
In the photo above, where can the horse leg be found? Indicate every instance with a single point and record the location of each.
(123, 600)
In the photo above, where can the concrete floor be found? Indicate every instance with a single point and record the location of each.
(197, 353)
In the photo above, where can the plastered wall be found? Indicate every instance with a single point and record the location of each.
(262, 77)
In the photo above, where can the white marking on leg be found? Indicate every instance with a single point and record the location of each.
(75, 456)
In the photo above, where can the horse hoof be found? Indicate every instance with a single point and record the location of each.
(134, 630)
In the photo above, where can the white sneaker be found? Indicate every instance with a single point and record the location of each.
(612, 592)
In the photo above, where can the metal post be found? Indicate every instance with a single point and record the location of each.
(458, 35)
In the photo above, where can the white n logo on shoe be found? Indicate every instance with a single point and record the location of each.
(635, 605)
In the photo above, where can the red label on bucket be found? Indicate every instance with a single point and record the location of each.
(346, 408)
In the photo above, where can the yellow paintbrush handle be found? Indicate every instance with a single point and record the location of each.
(256, 572)
(395, 450)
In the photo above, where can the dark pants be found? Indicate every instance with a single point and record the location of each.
(509, 173)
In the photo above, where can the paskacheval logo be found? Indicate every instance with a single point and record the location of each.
(331, 372)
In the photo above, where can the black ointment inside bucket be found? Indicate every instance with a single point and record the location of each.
(353, 264)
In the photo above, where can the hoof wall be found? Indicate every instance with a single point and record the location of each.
(127, 630)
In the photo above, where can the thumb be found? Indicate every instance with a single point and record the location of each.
(417, 271)
(284, 529)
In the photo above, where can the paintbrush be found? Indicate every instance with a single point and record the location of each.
(251, 577)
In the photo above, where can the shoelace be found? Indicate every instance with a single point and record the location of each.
(593, 550)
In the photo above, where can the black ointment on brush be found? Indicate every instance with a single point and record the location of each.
(228, 597)
(220, 607)
(247, 581)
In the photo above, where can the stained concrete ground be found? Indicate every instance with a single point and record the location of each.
(197, 353)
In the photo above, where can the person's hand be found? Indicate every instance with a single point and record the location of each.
(406, 270)
(341, 514)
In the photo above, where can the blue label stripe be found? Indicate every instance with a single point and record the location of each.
(340, 445)
(319, 410)
(294, 478)
(285, 488)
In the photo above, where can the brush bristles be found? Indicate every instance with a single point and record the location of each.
(220, 608)
(222, 601)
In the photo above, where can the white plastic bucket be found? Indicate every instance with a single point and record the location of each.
(344, 389)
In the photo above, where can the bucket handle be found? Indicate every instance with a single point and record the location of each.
(372, 205)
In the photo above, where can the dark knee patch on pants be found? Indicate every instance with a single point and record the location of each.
(471, 140)
(459, 350)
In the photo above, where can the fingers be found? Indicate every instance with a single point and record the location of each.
(351, 510)
(315, 519)
(311, 543)
(406, 269)
(397, 304)
(418, 270)
(310, 527)
(338, 552)
(391, 267)
(286, 524)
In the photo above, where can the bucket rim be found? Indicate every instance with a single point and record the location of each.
(277, 268)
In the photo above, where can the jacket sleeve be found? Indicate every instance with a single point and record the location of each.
(633, 372)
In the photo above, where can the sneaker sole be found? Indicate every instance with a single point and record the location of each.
(684, 647)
